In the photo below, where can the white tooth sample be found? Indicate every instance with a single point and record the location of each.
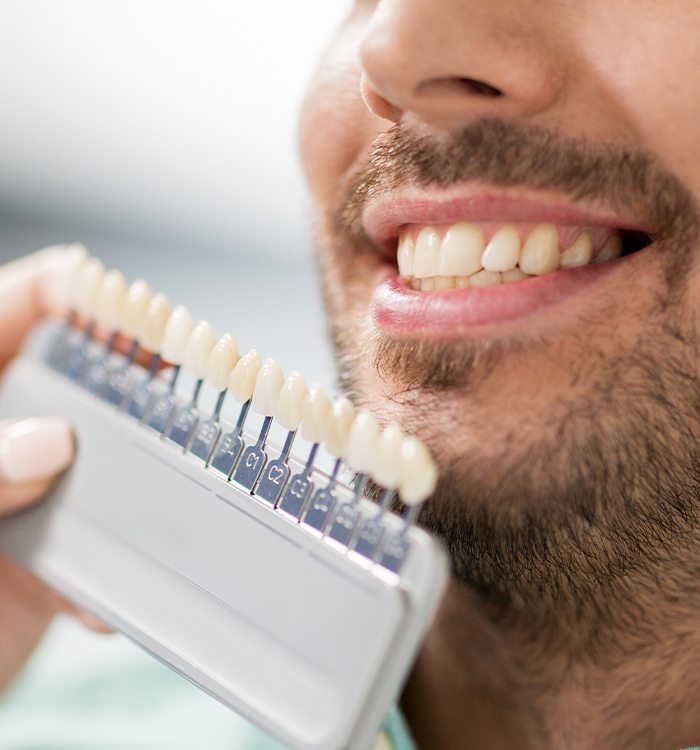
(290, 404)
(425, 255)
(177, 332)
(241, 383)
(138, 297)
(443, 282)
(315, 412)
(154, 321)
(418, 472)
(579, 253)
(268, 385)
(484, 278)
(89, 285)
(611, 249)
(540, 252)
(503, 251)
(337, 427)
(198, 349)
(515, 274)
(66, 282)
(221, 362)
(386, 468)
(111, 300)
(404, 256)
(461, 250)
(362, 442)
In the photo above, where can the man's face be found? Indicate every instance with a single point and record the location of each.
(484, 140)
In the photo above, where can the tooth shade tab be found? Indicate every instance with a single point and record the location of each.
(222, 360)
(418, 472)
(268, 385)
(241, 383)
(89, 286)
(177, 331)
(111, 300)
(290, 404)
(338, 424)
(362, 443)
(198, 349)
(503, 251)
(386, 467)
(461, 250)
(425, 255)
(68, 276)
(153, 327)
(138, 297)
(315, 414)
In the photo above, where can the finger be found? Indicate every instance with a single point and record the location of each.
(88, 620)
(32, 452)
(29, 289)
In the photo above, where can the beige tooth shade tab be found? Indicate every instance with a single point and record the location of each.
(111, 300)
(89, 285)
(418, 472)
(241, 382)
(198, 349)
(540, 253)
(222, 360)
(362, 443)
(177, 332)
(337, 427)
(268, 385)
(316, 411)
(386, 467)
(290, 405)
(67, 278)
(154, 322)
(138, 297)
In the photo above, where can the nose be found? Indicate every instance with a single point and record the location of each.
(447, 62)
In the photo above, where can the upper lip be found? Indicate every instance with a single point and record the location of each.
(383, 218)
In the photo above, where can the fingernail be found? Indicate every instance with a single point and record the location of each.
(33, 449)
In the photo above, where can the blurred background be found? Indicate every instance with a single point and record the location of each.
(162, 134)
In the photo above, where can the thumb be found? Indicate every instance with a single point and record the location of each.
(32, 453)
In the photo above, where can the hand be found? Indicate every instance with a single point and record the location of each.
(32, 453)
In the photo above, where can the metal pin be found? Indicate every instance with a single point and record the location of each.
(276, 473)
(78, 358)
(185, 419)
(230, 446)
(208, 432)
(118, 379)
(371, 528)
(95, 371)
(141, 393)
(396, 544)
(299, 488)
(347, 514)
(158, 412)
(62, 344)
(253, 459)
(323, 502)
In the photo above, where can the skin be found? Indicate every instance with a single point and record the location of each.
(568, 440)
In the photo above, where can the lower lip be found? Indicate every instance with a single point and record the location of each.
(400, 311)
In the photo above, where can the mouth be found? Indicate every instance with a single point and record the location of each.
(459, 264)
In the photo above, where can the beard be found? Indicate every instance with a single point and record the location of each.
(562, 506)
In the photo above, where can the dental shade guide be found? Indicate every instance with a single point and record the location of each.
(183, 525)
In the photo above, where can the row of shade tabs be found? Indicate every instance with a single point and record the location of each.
(105, 304)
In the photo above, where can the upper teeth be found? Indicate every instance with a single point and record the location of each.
(462, 258)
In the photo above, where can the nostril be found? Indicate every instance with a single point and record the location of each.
(457, 85)
(480, 87)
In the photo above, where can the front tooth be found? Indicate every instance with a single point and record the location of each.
(484, 278)
(154, 322)
(426, 253)
(405, 256)
(137, 300)
(540, 253)
(337, 427)
(611, 249)
(111, 301)
(362, 442)
(418, 472)
(315, 414)
(579, 253)
(198, 349)
(268, 385)
(290, 404)
(177, 332)
(515, 274)
(221, 362)
(241, 382)
(461, 250)
(89, 286)
(386, 468)
(503, 251)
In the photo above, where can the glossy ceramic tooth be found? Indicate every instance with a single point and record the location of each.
(461, 250)
(362, 443)
(268, 385)
(484, 278)
(515, 274)
(386, 467)
(540, 253)
(579, 253)
(611, 250)
(315, 413)
(154, 321)
(89, 286)
(198, 349)
(111, 300)
(221, 362)
(138, 297)
(241, 383)
(177, 332)
(503, 251)
(418, 472)
(338, 425)
(405, 256)
(290, 404)
(425, 255)
(67, 280)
